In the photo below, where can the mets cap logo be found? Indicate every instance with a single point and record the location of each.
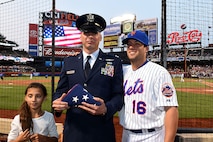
(133, 33)
(167, 90)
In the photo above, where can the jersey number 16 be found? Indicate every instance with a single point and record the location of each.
(139, 107)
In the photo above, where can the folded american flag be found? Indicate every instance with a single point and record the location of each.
(77, 94)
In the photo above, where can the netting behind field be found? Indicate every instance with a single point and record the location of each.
(195, 95)
(195, 14)
(15, 17)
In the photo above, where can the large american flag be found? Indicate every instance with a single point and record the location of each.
(64, 36)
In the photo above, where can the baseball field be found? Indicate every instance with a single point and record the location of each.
(195, 97)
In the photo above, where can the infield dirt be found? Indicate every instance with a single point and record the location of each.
(183, 123)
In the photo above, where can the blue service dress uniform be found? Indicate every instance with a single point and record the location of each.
(105, 81)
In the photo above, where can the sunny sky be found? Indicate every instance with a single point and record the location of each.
(143, 9)
(17, 14)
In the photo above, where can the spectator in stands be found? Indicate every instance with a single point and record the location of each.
(2, 76)
(32, 123)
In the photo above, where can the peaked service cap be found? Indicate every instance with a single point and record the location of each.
(91, 23)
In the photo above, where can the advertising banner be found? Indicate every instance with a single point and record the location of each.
(33, 39)
(33, 50)
(33, 34)
(128, 27)
(111, 41)
(192, 36)
(62, 18)
(57, 63)
(150, 26)
(62, 52)
(111, 35)
(152, 35)
(113, 29)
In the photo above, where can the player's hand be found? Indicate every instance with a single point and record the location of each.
(59, 105)
(24, 136)
(94, 109)
(37, 138)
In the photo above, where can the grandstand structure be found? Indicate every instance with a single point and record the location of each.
(13, 62)
(189, 51)
(184, 53)
(198, 61)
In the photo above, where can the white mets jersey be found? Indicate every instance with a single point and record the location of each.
(147, 90)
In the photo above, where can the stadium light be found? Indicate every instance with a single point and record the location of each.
(183, 27)
(125, 17)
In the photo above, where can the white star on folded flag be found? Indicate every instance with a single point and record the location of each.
(77, 94)
(85, 97)
(75, 99)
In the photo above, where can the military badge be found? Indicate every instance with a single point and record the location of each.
(108, 70)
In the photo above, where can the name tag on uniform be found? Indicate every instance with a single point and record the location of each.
(70, 72)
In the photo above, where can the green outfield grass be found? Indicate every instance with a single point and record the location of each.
(11, 95)
(194, 105)
(191, 105)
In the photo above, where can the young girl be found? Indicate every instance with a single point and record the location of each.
(32, 123)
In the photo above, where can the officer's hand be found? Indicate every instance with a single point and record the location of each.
(94, 109)
(59, 105)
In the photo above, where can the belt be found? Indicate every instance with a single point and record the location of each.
(144, 130)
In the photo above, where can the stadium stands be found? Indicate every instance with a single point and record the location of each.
(199, 60)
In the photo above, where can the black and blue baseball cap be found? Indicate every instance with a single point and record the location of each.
(90, 23)
(137, 35)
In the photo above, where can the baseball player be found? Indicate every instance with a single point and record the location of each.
(182, 78)
(150, 111)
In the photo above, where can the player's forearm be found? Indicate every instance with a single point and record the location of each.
(171, 124)
(46, 139)
(51, 139)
